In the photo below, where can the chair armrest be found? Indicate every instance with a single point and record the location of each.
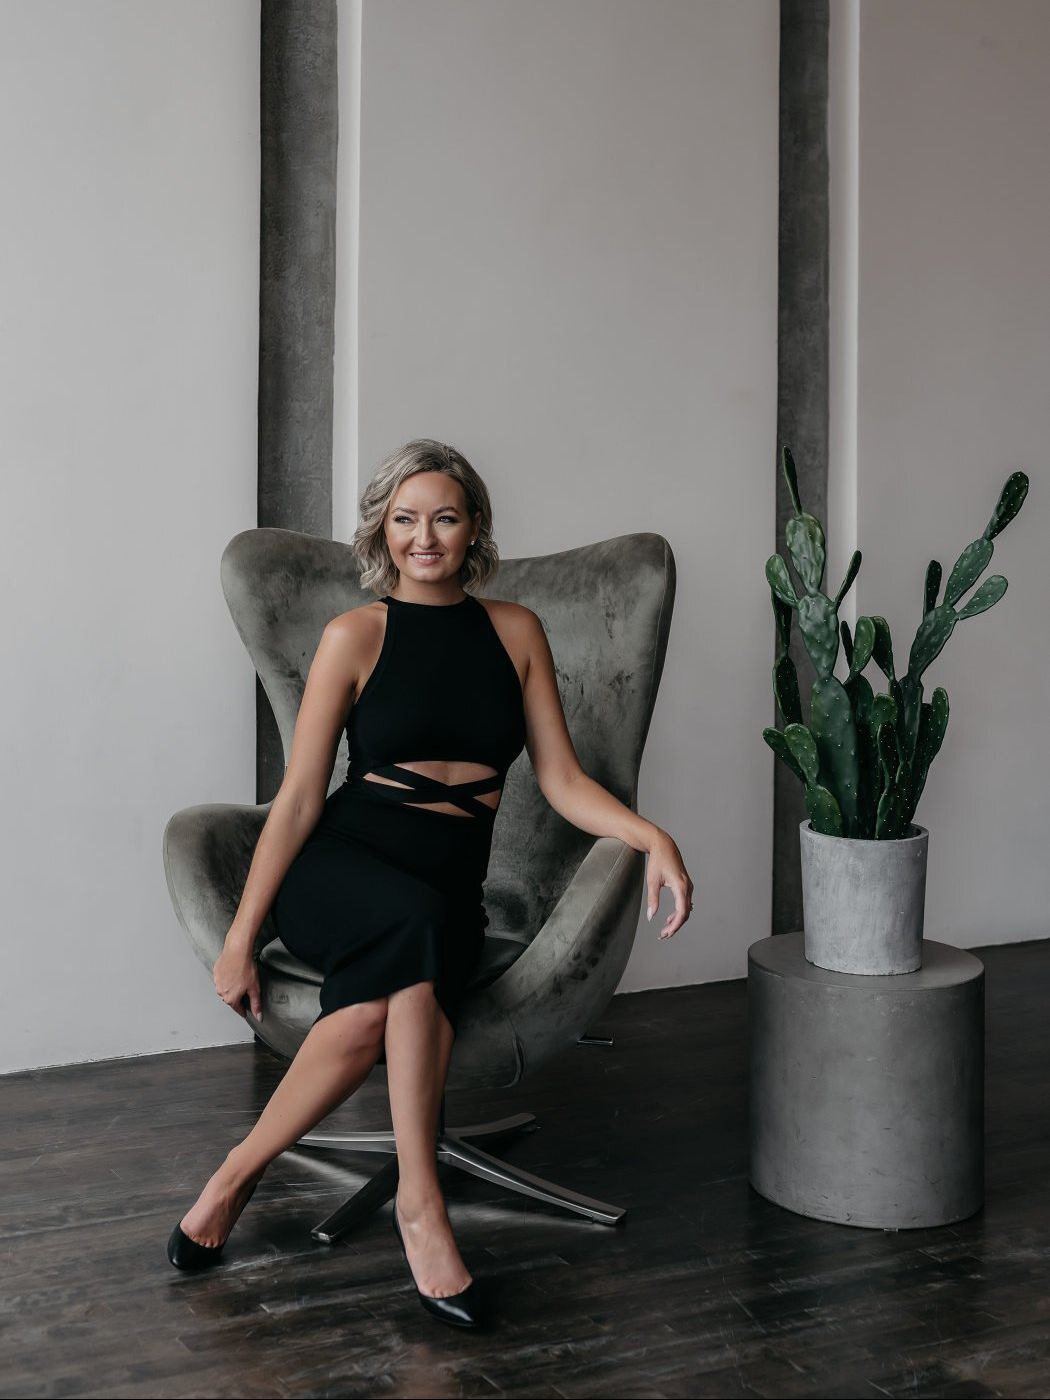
(208, 851)
(569, 972)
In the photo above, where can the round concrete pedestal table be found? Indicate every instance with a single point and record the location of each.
(867, 1093)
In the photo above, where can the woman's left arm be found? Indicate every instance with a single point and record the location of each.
(582, 801)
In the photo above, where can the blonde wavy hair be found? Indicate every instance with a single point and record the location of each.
(378, 570)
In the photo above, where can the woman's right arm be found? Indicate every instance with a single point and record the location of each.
(296, 809)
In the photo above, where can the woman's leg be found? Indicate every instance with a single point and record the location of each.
(418, 1049)
(336, 1056)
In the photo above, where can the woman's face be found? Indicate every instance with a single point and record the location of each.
(428, 528)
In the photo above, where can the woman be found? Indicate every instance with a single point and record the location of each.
(382, 893)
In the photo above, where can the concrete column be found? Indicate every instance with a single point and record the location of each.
(802, 391)
(299, 112)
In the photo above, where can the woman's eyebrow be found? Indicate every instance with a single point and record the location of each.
(409, 511)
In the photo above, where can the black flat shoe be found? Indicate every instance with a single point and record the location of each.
(185, 1253)
(464, 1309)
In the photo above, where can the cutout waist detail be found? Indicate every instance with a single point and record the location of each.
(418, 788)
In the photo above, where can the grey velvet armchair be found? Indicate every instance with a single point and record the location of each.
(563, 905)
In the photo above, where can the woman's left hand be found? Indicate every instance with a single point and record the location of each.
(665, 867)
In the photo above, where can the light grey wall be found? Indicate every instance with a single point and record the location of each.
(129, 142)
(568, 268)
(953, 344)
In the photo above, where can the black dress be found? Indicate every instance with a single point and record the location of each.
(384, 894)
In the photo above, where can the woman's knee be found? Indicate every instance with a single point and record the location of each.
(413, 994)
(359, 1025)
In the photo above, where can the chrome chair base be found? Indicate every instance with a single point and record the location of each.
(460, 1149)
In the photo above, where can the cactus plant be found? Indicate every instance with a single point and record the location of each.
(863, 758)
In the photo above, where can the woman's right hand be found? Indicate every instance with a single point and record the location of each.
(236, 976)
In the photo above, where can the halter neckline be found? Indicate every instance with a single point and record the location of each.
(430, 607)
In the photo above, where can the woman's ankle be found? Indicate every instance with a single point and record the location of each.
(414, 1202)
(239, 1168)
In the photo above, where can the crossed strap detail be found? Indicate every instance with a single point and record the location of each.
(422, 788)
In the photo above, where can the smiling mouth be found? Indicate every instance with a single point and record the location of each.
(429, 555)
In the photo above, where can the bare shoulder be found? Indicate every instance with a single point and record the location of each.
(352, 641)
(514, 622)
(515, 615)
(515, 626)
(356, 634)
(357, 624)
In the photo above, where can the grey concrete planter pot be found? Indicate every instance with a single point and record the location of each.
(863, 901)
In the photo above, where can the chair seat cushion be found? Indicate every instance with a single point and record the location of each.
(498, 952)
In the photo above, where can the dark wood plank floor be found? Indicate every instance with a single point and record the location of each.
(705, 1290)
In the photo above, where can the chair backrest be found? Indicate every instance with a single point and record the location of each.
(606, 609)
